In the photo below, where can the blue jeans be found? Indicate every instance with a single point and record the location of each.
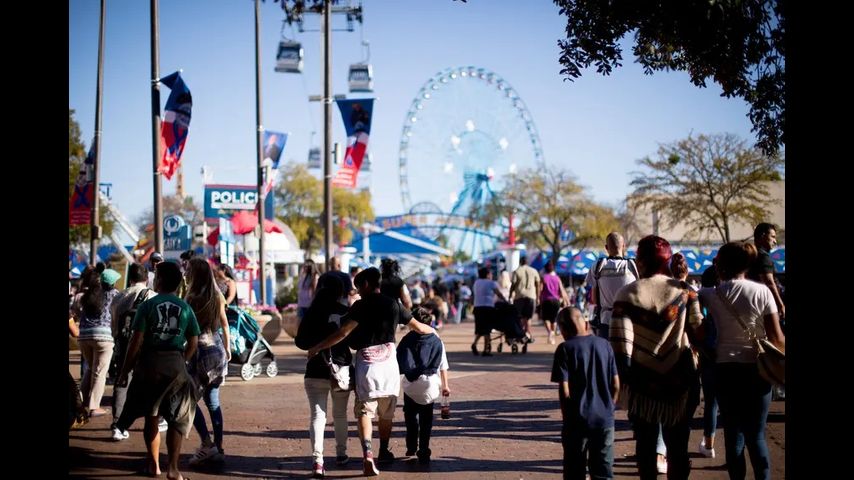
(676, 439)
(745, 398)
(597, 443)
(710, 402)
(211, 397)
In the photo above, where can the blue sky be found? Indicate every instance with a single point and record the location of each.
(597, 127)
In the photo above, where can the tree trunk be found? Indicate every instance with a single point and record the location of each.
(726, 229)
(555, 254)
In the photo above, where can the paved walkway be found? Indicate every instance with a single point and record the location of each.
(504, 424)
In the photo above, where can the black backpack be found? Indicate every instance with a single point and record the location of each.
(126, 319)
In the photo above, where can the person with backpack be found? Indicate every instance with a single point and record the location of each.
(323, 318)
(124, 309)
(608, 276)
(424, 365)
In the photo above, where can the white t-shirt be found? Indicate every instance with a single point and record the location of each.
(484, 292)
(377, 373)
(615, 274)
(426, 389)
(752, 301)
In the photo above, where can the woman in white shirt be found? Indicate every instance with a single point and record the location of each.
(744, 396)
(485, 291)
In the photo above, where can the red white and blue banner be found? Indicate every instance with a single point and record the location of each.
(176, 124)
(82, 198)
(357, 122)
(274, 145)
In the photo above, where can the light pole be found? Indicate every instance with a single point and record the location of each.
(325, 9)
(155, 125)
(327, 129)
(95, 225)
(260, 151)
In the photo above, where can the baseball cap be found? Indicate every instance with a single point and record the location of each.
(110, 276)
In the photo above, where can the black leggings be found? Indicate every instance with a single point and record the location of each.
(419, 424)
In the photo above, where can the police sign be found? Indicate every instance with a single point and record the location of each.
(176, 234)
(221, 201)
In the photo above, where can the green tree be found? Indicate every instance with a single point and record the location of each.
(299, 203)
(738, 44)
(79, 235)
(352, 208)
(299, 196)
(547, 203)
(190, 210)
(706, 183)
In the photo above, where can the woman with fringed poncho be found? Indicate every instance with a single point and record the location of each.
(652, 320)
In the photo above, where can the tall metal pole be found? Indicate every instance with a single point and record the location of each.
(260, 150)
(95, 226)
(155, 124)
(327, 128)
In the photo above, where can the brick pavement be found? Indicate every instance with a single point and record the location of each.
(505, 425)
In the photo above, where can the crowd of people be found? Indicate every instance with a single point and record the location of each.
(650, 343)
(166, 338)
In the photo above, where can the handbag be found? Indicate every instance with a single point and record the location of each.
(341, 376)
(770, 360)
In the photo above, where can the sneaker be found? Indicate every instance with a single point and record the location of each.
(218, 457)
(369, 468)
(706, 452)
(662, 466)
(204, 454)
(342, 460)
(164, 425)
(98, 412)
(424, 456)
(317, 471)
(385, 456)
(119, 435)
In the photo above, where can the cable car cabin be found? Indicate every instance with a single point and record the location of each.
(314, 157)
(289, 58)
(361, 77)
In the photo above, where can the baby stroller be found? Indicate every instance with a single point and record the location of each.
(247, 345)
(508, 324)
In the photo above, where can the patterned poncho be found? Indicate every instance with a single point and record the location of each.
(648, 334)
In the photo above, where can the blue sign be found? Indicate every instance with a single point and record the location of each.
(222, 201)
(356, 114)
(176, 234)
(274, 144)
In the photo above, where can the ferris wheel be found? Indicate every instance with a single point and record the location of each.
(464, 131)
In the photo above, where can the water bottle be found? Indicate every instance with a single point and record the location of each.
(446, 407)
